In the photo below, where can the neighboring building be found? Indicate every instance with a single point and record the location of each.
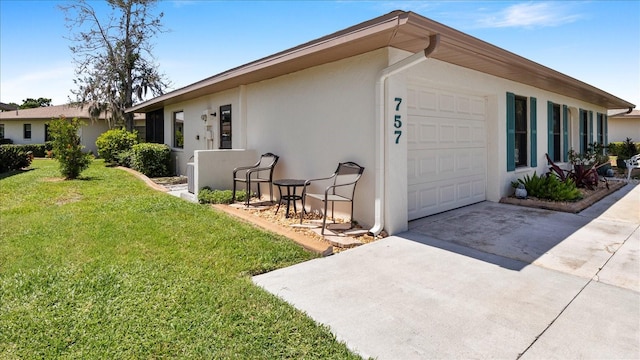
(7, 107)
(29, 126)
(438, 118)
(623, 125)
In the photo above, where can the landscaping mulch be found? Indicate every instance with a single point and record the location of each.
(589, 197)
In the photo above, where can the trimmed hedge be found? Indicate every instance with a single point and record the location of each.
(14, 157)
(38, 150)
(112, 142)
(153, 160)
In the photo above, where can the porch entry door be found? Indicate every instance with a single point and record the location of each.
(447, 152)
(225, 127)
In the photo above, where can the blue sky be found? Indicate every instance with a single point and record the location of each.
(597, 42)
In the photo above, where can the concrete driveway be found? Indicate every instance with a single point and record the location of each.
(485, 281)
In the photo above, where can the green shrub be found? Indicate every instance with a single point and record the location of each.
(614, 148)
(38, 150)
(67, 148)
(13, 157)
(208, 196)
(124, 158)
(114, 141)
(153, 160)
(628, 149)
(550, 187)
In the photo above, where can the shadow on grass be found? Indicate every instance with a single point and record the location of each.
(7, 174)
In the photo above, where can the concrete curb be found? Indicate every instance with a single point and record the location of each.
(144, 178)
(302, 240)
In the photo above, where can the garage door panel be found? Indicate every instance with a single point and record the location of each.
(426, 166)
(446, 150)
(440, 132)
(443, 195)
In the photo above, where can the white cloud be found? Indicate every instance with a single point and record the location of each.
(531, 15)
(54, 83)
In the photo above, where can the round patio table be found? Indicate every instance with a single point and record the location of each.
(291, 185)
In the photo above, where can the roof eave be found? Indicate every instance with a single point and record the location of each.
(403, 30)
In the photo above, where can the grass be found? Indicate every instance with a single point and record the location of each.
(104, 267)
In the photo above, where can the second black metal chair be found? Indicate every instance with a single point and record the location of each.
(342, 188)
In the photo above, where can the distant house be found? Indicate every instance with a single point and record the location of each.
(7, 107)
(438, 118)
(623, 125)
(29, 126)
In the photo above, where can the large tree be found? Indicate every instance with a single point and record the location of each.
(113, 54)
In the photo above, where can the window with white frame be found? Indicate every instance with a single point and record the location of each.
(521, 132)
(584, 130)
(178, 129)
(26, 131)
(558, 131)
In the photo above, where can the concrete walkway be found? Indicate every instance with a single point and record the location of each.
(485, 281)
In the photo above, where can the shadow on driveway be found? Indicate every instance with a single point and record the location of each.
(529, 235)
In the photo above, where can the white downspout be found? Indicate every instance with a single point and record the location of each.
(380, 143)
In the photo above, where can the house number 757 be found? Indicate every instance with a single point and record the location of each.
(397, 120)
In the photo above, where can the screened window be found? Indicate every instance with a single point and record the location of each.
(600, 126)
(521, 131)
(26, 131)
(584, 131)
(225, 127)
(178, 129)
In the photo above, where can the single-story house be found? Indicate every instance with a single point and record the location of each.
(29, 126)
(7, 107)
(438, 118)
(623, 125)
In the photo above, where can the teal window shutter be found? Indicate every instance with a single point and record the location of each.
(606, 130)
(533, 123)
(511, 131)
(550, 129)
(598, 125)
(565, 133)
(582, 130)
(590, 127)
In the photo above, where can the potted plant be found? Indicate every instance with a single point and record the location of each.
(627, 150)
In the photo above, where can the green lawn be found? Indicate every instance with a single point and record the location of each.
(105, 267)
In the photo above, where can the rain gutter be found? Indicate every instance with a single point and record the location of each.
(381, 132)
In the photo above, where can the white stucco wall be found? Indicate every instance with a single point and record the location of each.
(215, 168)
(195, 129)
(620, 129)
(89, 134)
(312, 119)
(320, 116)
(13, 129)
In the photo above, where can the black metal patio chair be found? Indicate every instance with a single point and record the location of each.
(261, 172)
(342, 188)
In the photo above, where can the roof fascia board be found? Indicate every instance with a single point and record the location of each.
(376, 26)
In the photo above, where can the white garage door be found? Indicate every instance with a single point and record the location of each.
(447, 154)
